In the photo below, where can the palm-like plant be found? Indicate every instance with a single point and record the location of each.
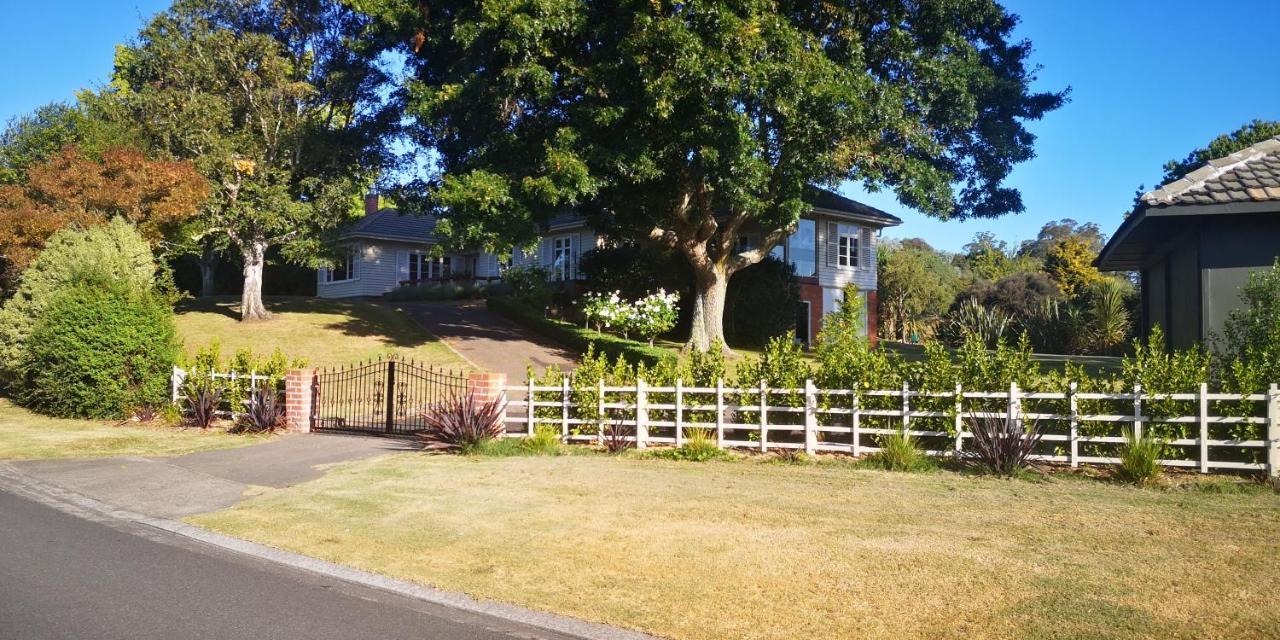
(203, 399)
(1002, 445)
(461, 423)
(1109, 315)
(265, 412)
(971, 319)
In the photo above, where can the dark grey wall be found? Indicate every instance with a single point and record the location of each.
(1232, 247)
(1184, 294)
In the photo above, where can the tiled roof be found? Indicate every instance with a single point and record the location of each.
(1248, 175)
(390, 224)
(830, 200)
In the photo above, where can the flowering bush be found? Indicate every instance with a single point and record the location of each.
(647, 317)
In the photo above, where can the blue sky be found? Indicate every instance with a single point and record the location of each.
(1149, 82)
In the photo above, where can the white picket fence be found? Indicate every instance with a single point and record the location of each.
(253, 379)
(841, 420)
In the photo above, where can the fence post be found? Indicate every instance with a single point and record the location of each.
(391, 395)
(810, 418)
(1204, 427)
(906, 409)
(175, 381)
(679, 411)
(1015, 404)
(959, 423)
(528, 408)
(856, 408)
(1273, 431)
(1137, 412)
(600, 410)
(1074, 409)
(764, 417)
(642, 415)
(564, 407)
(299, 398)
(720, 412)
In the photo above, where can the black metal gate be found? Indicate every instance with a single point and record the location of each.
(386, 397)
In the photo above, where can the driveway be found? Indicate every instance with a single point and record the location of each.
(209, 480)
(487, 340)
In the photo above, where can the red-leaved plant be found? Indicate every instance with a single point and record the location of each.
(461, 423)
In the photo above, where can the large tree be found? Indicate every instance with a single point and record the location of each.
(916, 286)
(277, 105)
(688, 122)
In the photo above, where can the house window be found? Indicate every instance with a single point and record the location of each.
(423, 267)
(746, 242)
(847, 249)
(562, 267)
(343, 270)
(802, 250)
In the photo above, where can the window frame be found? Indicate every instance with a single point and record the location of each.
(350, 268)
(848, 247)
(562, 272)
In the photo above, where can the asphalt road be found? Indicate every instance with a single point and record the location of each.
(62, 576)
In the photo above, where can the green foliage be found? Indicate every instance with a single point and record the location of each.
(529, 286)
(98, 350)
(916, 286)
(762, 303)
(699, 446)
(245, 364)
(576, 337)
(899, 452)
(781, 365)
(544, 441)
(108, 255)
(1139, 459)
(1160, 370)
(634, 270)
(973, 321)
(1250, 344)
(448, 291)
(704, 368)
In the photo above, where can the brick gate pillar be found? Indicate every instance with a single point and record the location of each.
(487, 387)
(297, 398)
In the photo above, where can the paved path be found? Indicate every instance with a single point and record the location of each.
(63, 576)
(488, 340)
(209, 480)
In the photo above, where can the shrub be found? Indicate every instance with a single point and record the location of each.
(632, 271)
(203, 397)
(607, 311)
(1017, 295)
(972, 319)
(1250, 341)
(264, 412)
(576, 337)
(544, 441)
(699, 446)
(112, 254)
(654, 315)
(1140, 459)
(448, 291)
(1001, 444)
(899, 452)
(529, 285)
(461, 423)
(762, 302)
(98, 351)
(243, 362)
(617, 437)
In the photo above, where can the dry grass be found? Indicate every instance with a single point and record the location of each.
(27, 436)
(324, 332)
(745, 550)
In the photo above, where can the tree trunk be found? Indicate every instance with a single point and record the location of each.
(711, 284)
(208, 263)
(255, 257)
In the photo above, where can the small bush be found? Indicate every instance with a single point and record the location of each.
(462, 423)
(98, 351)
(448, 291)
(578, 338)
(898, 452)
(1001, 445)
(788, 455)
(529, 286)
(203, 397)
(699, 446)
(264, 413)
(617, 437)
(544, 441)
(1139, 459)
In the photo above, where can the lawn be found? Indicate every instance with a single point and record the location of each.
(324, 332)
(759, 550)
(27, 436)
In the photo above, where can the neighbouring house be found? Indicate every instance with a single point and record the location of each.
(833, 247)
(1194, 241)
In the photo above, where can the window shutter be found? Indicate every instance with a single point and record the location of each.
(833, 249)
(864, 256)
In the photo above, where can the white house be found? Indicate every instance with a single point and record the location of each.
(834, 246)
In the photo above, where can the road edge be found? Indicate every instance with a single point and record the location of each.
(18, 483)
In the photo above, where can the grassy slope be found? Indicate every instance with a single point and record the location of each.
(743, 550)
(324, 332)
(26, 436)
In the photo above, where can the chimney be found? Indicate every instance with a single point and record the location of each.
(371, 203)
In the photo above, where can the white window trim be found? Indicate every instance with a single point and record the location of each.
(850, 237)
(570, 269)
(353, 273)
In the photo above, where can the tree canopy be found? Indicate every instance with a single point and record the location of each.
(686, 122)
(276, 105)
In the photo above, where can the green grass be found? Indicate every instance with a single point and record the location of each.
(28, 436)
(325, 333)
(763, 551)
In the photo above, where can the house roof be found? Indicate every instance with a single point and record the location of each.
(390, 224)
(1247, 181)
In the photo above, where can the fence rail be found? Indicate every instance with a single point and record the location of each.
(251, 380)
(1078, 427)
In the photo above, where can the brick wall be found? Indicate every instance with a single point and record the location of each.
(489, 386)
(811, 292)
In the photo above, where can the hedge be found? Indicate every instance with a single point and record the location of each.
(575, 337)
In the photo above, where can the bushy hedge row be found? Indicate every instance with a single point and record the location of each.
(448, 291)
(579, 338)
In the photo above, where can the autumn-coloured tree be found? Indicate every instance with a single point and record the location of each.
(72, 189)
(1070, 263)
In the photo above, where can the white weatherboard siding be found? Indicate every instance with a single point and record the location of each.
(583, 238)
(830, 274)
(376, 271)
